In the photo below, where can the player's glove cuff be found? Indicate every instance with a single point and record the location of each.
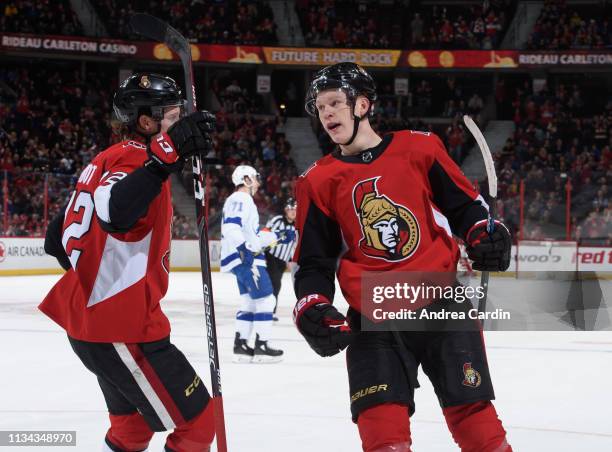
(163, 157)
(325, 329)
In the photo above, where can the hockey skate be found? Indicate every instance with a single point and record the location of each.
(265, 354)
(242, 352)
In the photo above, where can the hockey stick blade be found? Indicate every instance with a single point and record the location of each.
(157, 30)
(486, 154)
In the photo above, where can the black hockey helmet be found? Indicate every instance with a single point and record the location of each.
(146, 94)
(290, 203)
(352, 79)
(348, 77)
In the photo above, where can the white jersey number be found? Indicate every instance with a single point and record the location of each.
(77, 229)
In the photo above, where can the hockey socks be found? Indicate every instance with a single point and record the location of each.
(385, 428)
(128, 432)
(476, 428)
(194, 436)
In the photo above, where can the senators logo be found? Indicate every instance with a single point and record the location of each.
(471, 376)
(145, 82)
(390, 231)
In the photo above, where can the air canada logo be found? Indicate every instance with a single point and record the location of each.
(471, 377)
(390, 231)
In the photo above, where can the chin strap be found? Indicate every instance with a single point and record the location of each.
(356, 121)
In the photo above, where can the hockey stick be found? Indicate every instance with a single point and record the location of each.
(157, 30)
(492, 181)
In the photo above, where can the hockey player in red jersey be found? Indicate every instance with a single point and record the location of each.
(113, 240)
(387, 204)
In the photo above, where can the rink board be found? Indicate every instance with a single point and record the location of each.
(26, 256)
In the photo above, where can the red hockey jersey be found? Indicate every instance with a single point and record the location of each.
(113, 290)
(392, 207)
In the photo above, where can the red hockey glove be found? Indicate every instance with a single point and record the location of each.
(324, 328)
(187, 137)
(489, 251)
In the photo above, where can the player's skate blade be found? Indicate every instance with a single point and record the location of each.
(242, 352)
(264, 354)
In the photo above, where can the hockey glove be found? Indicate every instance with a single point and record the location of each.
(246, 255)
(285, 237)
(187, 137)
(324, 328)
(490, 252)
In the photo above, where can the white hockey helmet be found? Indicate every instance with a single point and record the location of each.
(243, 171)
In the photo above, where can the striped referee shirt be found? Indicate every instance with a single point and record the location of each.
(282, 251)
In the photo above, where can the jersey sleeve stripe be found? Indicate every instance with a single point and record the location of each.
(234, 220)
(229, 259)
(102, 197)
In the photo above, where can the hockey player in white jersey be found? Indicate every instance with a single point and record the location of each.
(242, 253)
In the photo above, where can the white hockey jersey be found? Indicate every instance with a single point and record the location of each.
(240, 224)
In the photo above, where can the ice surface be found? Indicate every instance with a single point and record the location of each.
(553, 388)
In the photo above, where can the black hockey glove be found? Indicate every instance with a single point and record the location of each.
(324, 328)
(490, 252)
(187, 137)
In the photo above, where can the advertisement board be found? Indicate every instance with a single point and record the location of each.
(26, 256)
(306, 56)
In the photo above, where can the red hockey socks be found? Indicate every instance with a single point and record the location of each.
(385, 428)
(476, 428)
(128, 432)
(196, 435)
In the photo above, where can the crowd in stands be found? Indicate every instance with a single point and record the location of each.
(219, 22)
(183, 227)
(39, 16)
(231, 96)
(441, 96)
(258, 141)
(475, 26)
(337, 23)
(561, 26)
(558, 145)
(54, 120)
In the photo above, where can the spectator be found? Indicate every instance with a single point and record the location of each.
(560, 27)
(42, 17)
(224, 22)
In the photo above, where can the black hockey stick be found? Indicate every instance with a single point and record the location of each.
(492, 182)
(153, 28)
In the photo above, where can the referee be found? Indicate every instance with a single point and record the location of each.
(278, 256)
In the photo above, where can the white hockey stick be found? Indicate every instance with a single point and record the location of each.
(492, 181)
